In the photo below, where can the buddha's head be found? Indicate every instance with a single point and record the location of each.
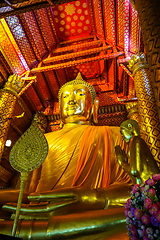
(77, 102)
(128, 129)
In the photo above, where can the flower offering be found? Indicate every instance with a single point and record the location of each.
(142, 210)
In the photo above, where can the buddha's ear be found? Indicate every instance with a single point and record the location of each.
(95, 110)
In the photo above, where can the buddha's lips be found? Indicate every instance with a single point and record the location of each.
(73, 107)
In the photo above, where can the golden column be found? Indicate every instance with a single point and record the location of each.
(8, 98)
(147, 106)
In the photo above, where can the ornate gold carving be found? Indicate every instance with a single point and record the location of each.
(7, 103)
(137, 62)
(14, 84)
(30, 150)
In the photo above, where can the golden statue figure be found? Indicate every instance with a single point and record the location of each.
(80, 189)
(139, 163)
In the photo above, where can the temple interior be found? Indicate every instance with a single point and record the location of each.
(49, 42)
(54, 41)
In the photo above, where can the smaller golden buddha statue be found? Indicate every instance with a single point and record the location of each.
(139, 162)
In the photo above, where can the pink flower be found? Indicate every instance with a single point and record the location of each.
(127, 220)
(140, 232)
(154, 209)
(133, 230)
(136, 187)
(146, 238)
(134, 238)
(158, 204)
(138, 213)
(157, 216)
(128, 204)
(130, 214)
(142, 189)
(156, 177)
(150, 182)
(147, 203)
(145, 219)
(149, 230)
(126, 212)
(151, 192)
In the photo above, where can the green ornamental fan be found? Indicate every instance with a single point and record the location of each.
(28, 153)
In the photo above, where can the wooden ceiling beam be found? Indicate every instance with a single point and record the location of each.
(50, 2)
(30, 38)
(50, 16)
(75, 54)
(39, 95)
(77, 46)
(77, 62)
(41, 30)
(92, 17)
(50, 86)
(77, 40)
(24, 9)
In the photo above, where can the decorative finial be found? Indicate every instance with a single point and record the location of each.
(79, 76)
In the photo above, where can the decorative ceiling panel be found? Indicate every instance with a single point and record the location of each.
(46, 28)
(21, 40)
(120, 22)
(72, 20)
(11, 50)
(135, 31)
(34, 32)
(98, 18)
(127, 28)
(5, 9)
(108, 21)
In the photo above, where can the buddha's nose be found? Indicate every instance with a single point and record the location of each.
(72, 100)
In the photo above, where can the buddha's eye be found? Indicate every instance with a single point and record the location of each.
(82, 94)
(65, 96)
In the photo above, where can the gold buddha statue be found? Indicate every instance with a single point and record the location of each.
(139, 162)
(80, 189)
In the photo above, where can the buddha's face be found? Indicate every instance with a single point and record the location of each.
(76, 104)
(126, 134)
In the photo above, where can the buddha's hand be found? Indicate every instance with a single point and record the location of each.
(15, 83)
(121, 156)
(63, 201)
